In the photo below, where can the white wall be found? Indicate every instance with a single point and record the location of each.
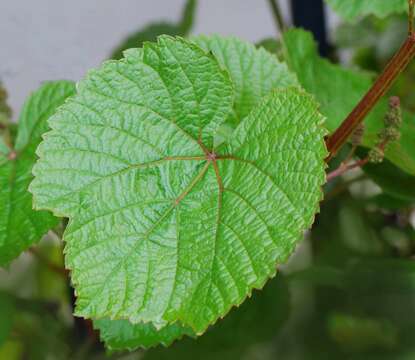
(61, 39)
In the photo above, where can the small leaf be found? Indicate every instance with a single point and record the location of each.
(272, 45)
(122, 335)
(338, 90)
(164, 227)
(152, 31)
(352, 9)
(20, 226)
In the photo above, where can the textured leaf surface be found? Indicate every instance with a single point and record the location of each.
(152, 31)
(163, 227)
(20, 226)
(338, 90)
(254, 72)
(123, 335)
(351, 9)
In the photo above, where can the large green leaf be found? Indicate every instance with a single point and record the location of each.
(20, 226)
(163, 226)
(338, 90)
(352, 9)
(152, 31)
(254, 72)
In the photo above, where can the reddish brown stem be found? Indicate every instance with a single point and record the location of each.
(384, 82)
(344, 168)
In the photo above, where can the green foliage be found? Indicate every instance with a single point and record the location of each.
(359, 333)
(7, 310)
(189, 171)
(338, 90)
(20, 226)
(392, 180)
(164, 227)
(352, 9)
(254, 72)
(257, 321)
(123, 335)
(152, 31)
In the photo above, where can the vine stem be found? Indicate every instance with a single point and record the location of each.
(276, 11)
(384, 82)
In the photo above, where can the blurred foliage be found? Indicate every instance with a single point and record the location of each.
(372, 42)
(348, 293)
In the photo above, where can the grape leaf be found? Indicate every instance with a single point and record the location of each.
(20, 226)
(163, 226)
(254, 72)
(338, 90)
(151, 31)
(352, 9)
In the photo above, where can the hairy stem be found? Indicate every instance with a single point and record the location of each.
(384, 82)
(276, 12)
(345, 168)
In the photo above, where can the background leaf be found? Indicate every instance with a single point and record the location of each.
(257, 321)
(20, 226)
(352, 9)
(254, 72)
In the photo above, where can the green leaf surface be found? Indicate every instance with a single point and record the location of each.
(164, 227)
(20, 226)
(254, 72)
(123, 335)
(352, 9)
(152, 31)
(339, 89)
